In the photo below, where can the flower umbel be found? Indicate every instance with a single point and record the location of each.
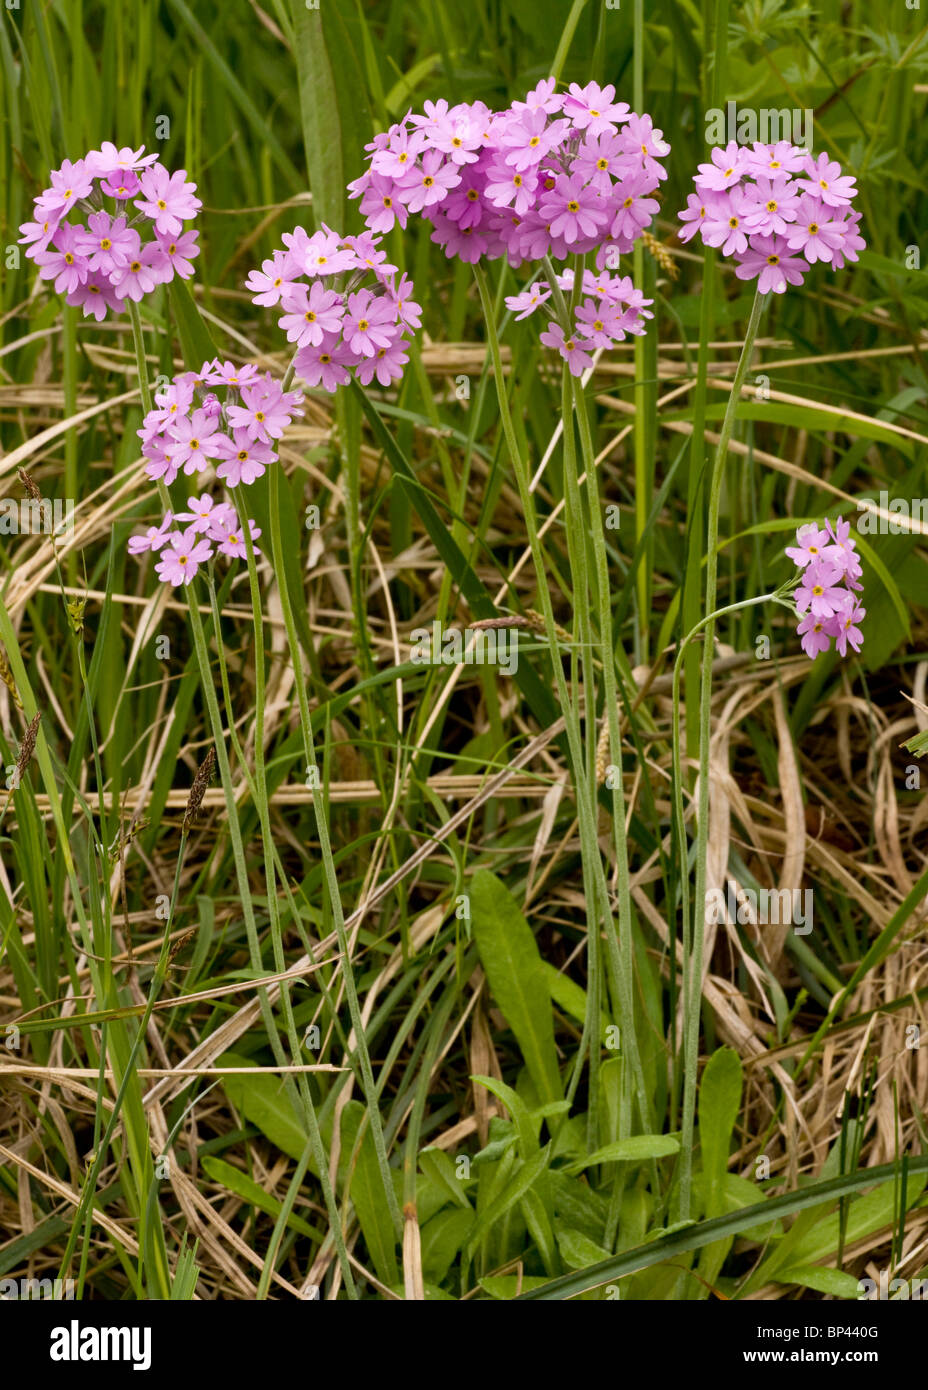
(776, 209)
(118, 252)
(829, 570)
(218, 422)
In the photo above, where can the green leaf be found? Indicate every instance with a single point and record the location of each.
(195, 340)
(527, 1128)
(439, 1167)
(578, 1251)
(638, 1149)
(234, 1180)
(366, 1191)
(872, 1212)
(509, 954)
(508, 1286)
(694, 1235)
(568, 995)
(833, 1281)
(442, 1239)
(719, 1100)
(263, 1101)
(522, 1180)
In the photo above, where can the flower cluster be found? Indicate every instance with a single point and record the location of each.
(830, 570)
(344, 306)
(559, 172)
(611, 307)
(777, 209)
(118, 251)
(211, 527)
(191, 429)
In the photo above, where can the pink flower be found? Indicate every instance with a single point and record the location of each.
(268, 285)
(430, 183)
(107, 242)
(94, 297)
(408, 312)
(820, 590)
(311, 313)
(168, 199)
(570, 349)
(507, 187)
(814, 232)
(781, 158)
(769, 260)
(110, 160)
(725, 224)
(826, 181)
(525, 142)
(395, 159)
(811, 542)
(140, 274)
(592, 109)
(386, 364)
(37, 235)
(381, 204)
(847, 626)
(243, 459)
(698, 209)
(635, 211)
(121, 185)
(599, 325)
(179, 252)
(196, 441)
(724, 170)
(367, 323)
(323, 365)
(528, 300)
(68, 184)
(181, 559)
(153, 539)
(814, 637)
(266, 410)
(228, 531)
(772, 206)
(200, 514)
(63, 264)
(573, 211)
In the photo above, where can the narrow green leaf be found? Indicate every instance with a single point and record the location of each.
(510, 956)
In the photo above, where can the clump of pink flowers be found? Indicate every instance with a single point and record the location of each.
(777, 209)
(829, 574)
(345, 308)
(559, 172)
(609, 309)
(111, 228)
(222, 421)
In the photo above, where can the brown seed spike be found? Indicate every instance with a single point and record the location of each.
(29, 485)
(28, 744)
(200, 783)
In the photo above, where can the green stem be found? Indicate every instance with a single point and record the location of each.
(693, 935)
